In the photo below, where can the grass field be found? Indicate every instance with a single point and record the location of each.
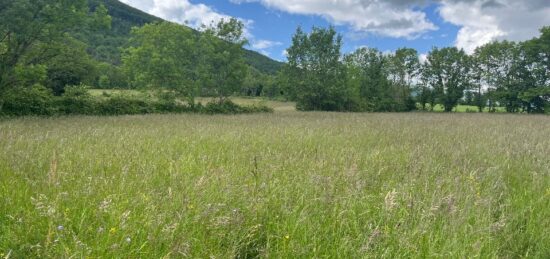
(281, 185)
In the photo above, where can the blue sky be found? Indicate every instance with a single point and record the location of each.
(278, 26)
(386, 25)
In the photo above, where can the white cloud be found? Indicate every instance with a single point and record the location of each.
(265, 44)
(373, 16)
(423, 57)
(483, 21)
(179, 11)
(196, 15)
(284, 53)
(480, 21)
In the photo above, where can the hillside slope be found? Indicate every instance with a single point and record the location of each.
(105, 45)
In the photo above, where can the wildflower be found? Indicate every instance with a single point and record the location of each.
(60, 228)
(112, 231)
(128, 240)
(100, 230)
(287, 237)
(190, 206)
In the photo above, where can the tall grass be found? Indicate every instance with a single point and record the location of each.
(282, 185)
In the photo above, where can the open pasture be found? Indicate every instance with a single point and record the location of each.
(281, 185)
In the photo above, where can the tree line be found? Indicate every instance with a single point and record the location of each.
(44, 61)
(45, 64)
(506, 74)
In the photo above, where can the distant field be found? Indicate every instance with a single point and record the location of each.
(467, 108)
(280, 106)
(281, 185)
(276, 105)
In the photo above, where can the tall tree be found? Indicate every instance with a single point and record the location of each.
(404, 70)
(447, 72)
(368, 73)
(26, 23)
(164, 56)
(315, 72)
(224, 68)
(536, 94)
(496, 63)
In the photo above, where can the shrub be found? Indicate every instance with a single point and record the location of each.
(229, 107)
(125, 105)
(77, 100)
(21, 101)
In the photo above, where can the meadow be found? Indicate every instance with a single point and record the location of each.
(281, 185)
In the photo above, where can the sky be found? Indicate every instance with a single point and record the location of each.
(383, 24)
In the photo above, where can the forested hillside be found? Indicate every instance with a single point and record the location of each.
(52, 52)
(104, 45)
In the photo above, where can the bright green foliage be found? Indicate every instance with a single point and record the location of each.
(369, 76)
(70, 65)
(314, 74)
(101, 18)
(284, 185)
(517, 73)
(404, 69)
(30, 75)
(447, 72)
(496, 63)
(111, 76)
(105, 45)
(223, 68)
(24, 23)
(536, 91)
(24, 101)
(258, 84)
(319, 78)
(164, 56)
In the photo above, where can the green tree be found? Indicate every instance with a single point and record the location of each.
(314, 73)
(223, 68)
(164, 56)
(25, 23)
(368, 76)
(536, 60)
(404, 70)
(496, 66)
(69, 65)
(447, 72)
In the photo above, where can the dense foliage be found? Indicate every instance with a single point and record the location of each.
(77, 100)
(47, 46)
(105, 45)
(508, 74)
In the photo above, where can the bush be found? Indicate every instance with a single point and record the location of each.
(229, 107)
(21, 101)
(77, 100)
(125, 105)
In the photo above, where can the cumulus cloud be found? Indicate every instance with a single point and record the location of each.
(394, 19)
(483, 21)
(265, 44)
(179, 11)
(480, 21)
(196, 15)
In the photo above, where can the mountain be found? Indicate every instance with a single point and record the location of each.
(105, 45)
